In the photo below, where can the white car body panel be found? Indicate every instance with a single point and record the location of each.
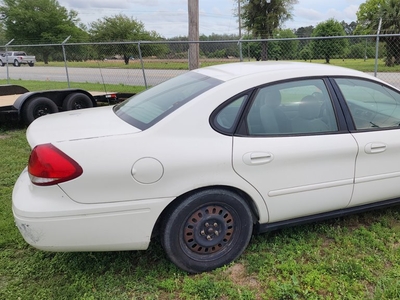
(303, 161)
(51, 221)
(131, 175)
(82, 124)
(377, 174)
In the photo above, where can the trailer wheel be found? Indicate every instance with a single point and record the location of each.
(77, 101)
(31, 64)
(16, 63)
(37, 107)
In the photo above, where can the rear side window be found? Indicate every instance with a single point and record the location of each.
(294, 107)
(147, 108)
(226, 118)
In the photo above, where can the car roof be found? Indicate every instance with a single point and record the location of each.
(226, 72)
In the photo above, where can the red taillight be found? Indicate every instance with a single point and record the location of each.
(48, 165)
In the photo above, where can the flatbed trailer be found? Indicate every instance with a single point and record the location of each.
(19, 104)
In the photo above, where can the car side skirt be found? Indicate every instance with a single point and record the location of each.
(266, 227)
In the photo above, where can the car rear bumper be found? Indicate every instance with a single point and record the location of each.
(49, 220)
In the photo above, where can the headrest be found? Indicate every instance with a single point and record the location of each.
(309, 108)
(272, 98)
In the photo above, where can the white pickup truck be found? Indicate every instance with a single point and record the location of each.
(17, 58)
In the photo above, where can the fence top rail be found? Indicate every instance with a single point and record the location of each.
(202, 42)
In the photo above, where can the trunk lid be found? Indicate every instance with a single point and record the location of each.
(76, 125)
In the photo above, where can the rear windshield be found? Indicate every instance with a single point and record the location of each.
(149, 107)
(20, 53)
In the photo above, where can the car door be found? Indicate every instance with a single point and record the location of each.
(293, 152)
(375, 111)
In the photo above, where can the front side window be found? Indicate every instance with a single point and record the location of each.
(296, 107)
(371, 104)
(149, 107)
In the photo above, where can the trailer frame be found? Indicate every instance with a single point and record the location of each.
(19, 104)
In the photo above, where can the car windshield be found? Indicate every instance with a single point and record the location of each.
(149, 107)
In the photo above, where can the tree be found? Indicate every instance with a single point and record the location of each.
(219, 50)
(368, 13)
(263, 17)
(304, 31)
(349, 28)
(371, 13)
(327, 47)
(306, 53)
(40, 22)
(121, 28)
(361, 50)
(283, 49)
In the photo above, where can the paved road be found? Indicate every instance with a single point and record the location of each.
(116, 76)
(92, 75)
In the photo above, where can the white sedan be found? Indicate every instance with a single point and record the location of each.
(210, 157)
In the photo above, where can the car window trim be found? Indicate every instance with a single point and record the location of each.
(346, 111)
(242, 130)
(236, 124)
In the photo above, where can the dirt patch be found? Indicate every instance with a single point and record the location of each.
(237, 273)
(3, 136)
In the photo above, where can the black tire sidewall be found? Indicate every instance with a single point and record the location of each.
(29, 108)
(71, 100)
(173, 227)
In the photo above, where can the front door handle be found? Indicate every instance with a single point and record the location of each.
(257, 158)
(373, 148)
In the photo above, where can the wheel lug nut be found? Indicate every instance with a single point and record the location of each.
(208, 237)
(202, 232)
(215, 225)
(207, 225)
(216, 232)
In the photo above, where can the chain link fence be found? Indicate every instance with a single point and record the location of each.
(149, 63)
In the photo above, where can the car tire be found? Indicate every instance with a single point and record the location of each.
(16, 63)
(2, 63)
(37, 107)
(77, 101)
(31, 64)
(207, 230)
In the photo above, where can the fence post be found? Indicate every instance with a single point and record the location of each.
(141, 62)
(240, 49)
(65, 59)
(8, 74)
(377, 47)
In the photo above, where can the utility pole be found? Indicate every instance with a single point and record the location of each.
(240, 32)
(193, 11)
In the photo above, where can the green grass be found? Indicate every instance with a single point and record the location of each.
(33, 85)
(356, 257)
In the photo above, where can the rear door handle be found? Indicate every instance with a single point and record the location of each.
(373, 148)
(257, 158)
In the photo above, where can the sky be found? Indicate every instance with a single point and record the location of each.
(169, 18)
